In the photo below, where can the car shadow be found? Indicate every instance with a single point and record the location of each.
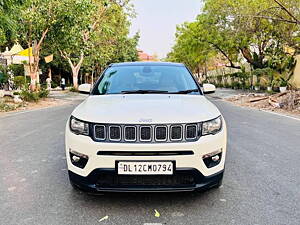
(151, 199)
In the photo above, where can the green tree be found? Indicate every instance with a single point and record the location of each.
(110, 42)
(37, 19)
(88, 29)
(190, 50)
(89, 33)
(9, 12)
(238, 30)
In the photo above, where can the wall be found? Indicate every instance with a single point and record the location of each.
(295, 81)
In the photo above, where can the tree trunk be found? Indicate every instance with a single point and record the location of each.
(33, 80)
(75, 73)
(250, 59)
(50, 73)
(93, 76)
(34, 66)
(75, 68)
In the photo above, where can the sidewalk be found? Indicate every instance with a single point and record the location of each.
(223, 93)
(251, 99)
(55, 98)
(67, 95)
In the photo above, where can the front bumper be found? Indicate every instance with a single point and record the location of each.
(106, 180)
(100, 164)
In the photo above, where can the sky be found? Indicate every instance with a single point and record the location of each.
(157, 19)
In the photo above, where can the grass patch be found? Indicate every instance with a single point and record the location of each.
(7, 103)
(6, 107)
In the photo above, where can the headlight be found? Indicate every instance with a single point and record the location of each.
(78, 126)
(212, 126)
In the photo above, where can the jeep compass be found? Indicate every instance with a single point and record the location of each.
(146, 126)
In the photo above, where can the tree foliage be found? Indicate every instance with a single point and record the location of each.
(256, 32)
(83, 34)
(9, 12)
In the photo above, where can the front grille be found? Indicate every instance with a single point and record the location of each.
(136, 133)
(191, 131)
(161, 133)
(115, 133)
(145, 134)
(176, 132)
(130, 133)
(138, 181)
(99, 132)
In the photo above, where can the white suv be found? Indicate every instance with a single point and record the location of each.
(146, 126)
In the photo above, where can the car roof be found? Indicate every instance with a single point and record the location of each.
(147, 64)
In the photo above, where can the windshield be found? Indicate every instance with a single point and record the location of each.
(146, 79)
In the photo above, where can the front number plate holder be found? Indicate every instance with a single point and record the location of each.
(145, 167)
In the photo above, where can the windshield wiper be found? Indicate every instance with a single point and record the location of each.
(185, 91)
(144, 92)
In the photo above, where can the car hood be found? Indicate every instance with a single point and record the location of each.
(146, 109)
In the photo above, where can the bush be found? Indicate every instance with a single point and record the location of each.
(220, 85)
(227, 85)
(247, 87)
(16, 69)
(3, 77)
(29, 96)
(19, 81)
(283, 82)
(72, 89)
(43, 93)
(43, 86)
(54, 84)
(236, 85)
(16, 93)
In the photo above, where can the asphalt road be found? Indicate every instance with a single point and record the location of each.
(261, 183)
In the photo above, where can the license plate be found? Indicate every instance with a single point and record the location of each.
(145, 168)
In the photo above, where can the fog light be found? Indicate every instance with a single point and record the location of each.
(215, 158)
(212, 159)
(75, 158)
(78, 159)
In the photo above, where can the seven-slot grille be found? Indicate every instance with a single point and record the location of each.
(161, 133)
(176, 132)
(191, 132)
(130, 133)
(99, 132)
(146, 133)
(115, 133)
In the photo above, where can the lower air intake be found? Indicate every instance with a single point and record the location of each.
(111, 181)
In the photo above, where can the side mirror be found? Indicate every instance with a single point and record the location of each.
(85, 88)
(209, 88)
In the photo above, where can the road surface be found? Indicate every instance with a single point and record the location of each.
(261, 183)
